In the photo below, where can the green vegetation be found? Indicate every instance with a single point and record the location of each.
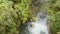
(12, 14)
(54, 15)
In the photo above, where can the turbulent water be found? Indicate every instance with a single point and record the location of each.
(39, 26)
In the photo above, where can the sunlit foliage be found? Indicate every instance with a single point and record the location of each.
(53, 8)
(12, 14)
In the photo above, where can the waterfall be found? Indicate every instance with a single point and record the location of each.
(39, 26)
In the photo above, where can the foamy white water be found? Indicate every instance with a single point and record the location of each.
(40, 25)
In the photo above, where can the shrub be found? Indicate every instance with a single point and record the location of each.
(12, 14)
(53, 9)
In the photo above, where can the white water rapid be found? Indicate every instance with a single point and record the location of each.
(39, 26)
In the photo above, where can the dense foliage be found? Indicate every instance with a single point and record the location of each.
(53, 8)
(12, 14)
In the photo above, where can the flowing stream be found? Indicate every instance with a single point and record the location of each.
(37, 27)
(40, 25)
